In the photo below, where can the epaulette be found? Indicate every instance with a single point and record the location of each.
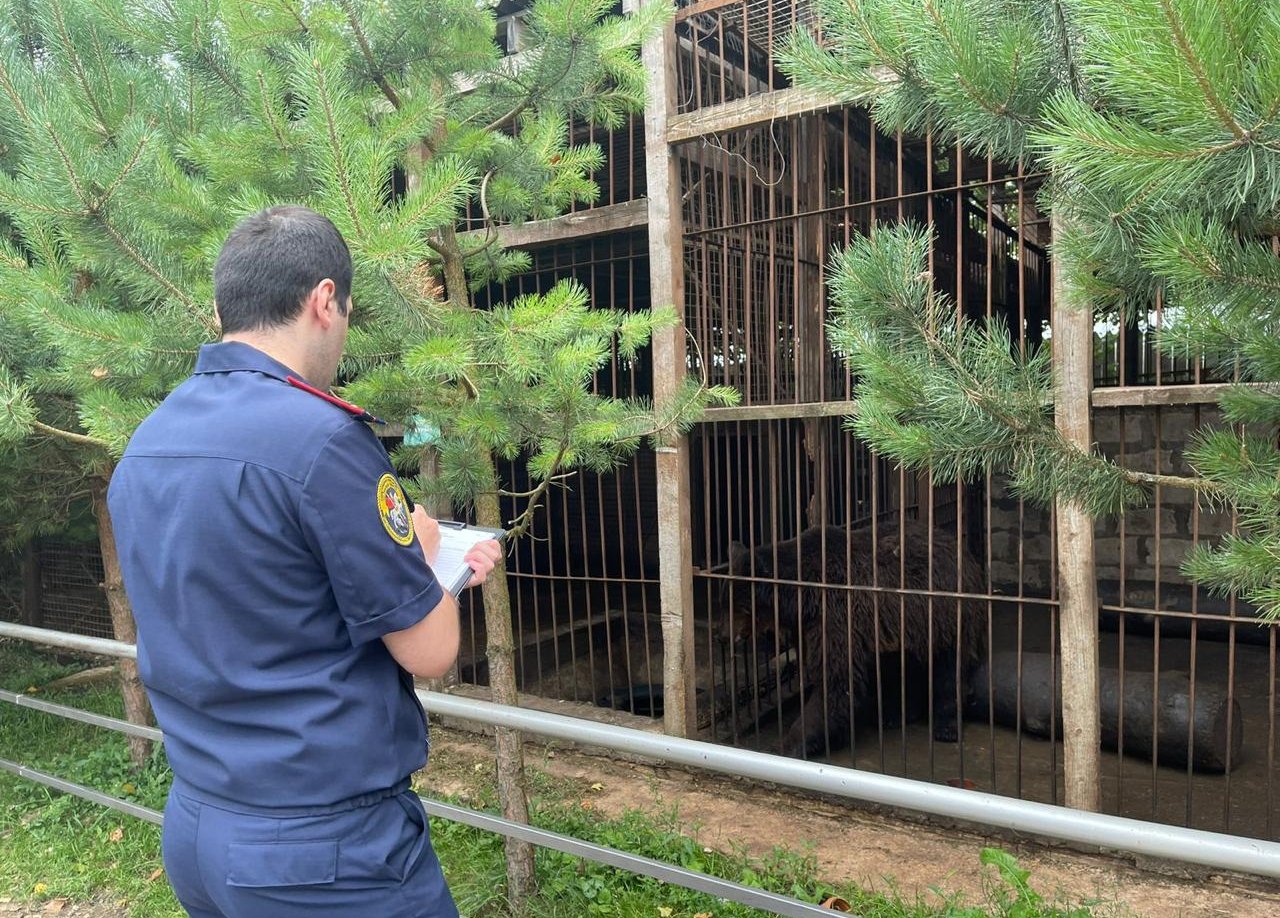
(354, 410)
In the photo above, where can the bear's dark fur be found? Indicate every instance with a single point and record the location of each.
(850, 622)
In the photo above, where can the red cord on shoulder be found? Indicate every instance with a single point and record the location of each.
(356, 410)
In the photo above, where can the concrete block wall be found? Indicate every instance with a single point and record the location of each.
(1155, 539)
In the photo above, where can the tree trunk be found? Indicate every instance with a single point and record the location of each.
(500, 646)
(1077, 582)
(136, 708)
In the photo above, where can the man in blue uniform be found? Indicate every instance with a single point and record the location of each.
(284, 600)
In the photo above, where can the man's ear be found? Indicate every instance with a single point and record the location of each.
(322, 303)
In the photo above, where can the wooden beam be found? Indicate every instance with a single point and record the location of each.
(666, 285)
(741, 113)
(1077, 582)
(597, 221)
(1112, 397)
(778, 412)
(1150, 396)
(702, 7)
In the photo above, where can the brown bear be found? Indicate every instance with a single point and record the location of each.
(910, 625)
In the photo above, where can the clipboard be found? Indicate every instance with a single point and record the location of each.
(456, 539)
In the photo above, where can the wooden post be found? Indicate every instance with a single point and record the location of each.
(1077, 582)
(137, 710)
(32, 586)
(666, 286)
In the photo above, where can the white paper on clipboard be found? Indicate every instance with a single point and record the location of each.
(456, 539)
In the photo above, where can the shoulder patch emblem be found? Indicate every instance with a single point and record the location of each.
(393, 510)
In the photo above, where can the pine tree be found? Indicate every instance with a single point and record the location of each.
(1156, 121)
(135, 135)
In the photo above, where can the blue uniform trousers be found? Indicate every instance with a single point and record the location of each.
(366, 859)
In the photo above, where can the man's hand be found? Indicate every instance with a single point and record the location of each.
(428, 531)
(482, 558)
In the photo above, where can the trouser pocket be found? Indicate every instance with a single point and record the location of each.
(300, 863)
(414, 838)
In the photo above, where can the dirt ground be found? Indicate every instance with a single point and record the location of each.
(62, 908)
(876, 851)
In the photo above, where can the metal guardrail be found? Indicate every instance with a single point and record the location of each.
(1116, 833)
(634, 863)
(659, 870)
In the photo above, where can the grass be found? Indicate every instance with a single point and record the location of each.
(53, 845)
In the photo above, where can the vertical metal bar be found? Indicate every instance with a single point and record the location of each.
(754, 654)
(775, 457)
(587, 584)
(623, 569)
(802, 661)
(721, 62)
(1271, 730)
(902, 525)
(799, 315)
(748, 270)
(928, 178)
(1195, 609)
(772, 68)
(696, 51)
(1155, 650)
(707, 434)
(723, 165)
(959, 559)
(1123, 621)
(773, 285)
(1022, 509)
(990, 281)
(728, 480)
(1231, 690)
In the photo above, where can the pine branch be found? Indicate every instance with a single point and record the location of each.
(999, 109)
(69, 436)
(81, 195)
(367, 52)
(521, 494)
(1064, 43)
(74, 59)
(520, 525)
(269, 115)
(212, 62)
(155, 273)
(1197, 69)
(505, 121)
(6, 83)
(124, 173)
(335, 146)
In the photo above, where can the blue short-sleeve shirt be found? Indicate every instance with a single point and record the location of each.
(266, 547)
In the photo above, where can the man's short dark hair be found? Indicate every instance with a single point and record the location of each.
(271, 261)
